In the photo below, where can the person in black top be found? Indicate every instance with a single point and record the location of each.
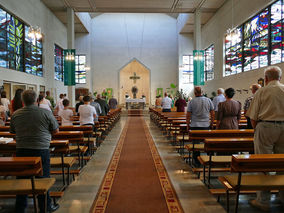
(81, 102)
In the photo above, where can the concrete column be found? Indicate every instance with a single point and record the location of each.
(197, 30)
(71, 45)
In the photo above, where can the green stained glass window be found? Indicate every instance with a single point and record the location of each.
(17, 50)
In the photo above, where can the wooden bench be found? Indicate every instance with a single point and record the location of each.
(197, 136)
(88, 134)
(57, 147)
(24, 166)
(222, 145)
(75, 137)
(254, 163)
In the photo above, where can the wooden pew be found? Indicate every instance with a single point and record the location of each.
(75, 137)
(201, 135)
(222, 145)
(57, 147)
(258, 182)
(24, 166)
(88, 134)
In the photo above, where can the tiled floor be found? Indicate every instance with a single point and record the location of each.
(192, 193)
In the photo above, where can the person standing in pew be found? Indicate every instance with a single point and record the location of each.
(254, 88)
(180, 104)
(166, 103)
(97, 107)
(199, 111)
(266, 112)
(218, 99)
(229, 112)
(66, 114)
(87, 112)
(103, 104)
(33, 127)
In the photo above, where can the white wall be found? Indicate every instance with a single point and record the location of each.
(118, 38)
(35, 13)
(214, 32)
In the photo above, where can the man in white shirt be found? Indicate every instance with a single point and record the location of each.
(166, 103)
(87, 112)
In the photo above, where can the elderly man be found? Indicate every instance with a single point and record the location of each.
(199, 111)
(167, 103)
(254, 88)
(267, 118)
(218, 99)
(103, 104)
(33, 127)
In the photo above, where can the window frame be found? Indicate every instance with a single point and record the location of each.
(207, 71)
(61, 65)
(269, 48)
(77, 70)
(39, 72)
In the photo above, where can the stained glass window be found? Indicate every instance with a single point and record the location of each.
(260, 42)
(80, 69)
(58, 63)
(33, 55)
(16, 50)
(187, 69)
(209, 63)
(234, 53)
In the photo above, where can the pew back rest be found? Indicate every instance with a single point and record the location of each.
(88, 130)
(231, 145)
(204, 134)
(258, 163)
(72, 136)
(4, 128)
(20, 166)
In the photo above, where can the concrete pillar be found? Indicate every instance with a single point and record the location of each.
(197, 30)
(71, 45)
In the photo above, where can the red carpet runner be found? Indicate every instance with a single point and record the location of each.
(136, 180)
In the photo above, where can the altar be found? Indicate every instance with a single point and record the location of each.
(135, 103)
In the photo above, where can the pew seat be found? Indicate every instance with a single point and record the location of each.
(254, 182)
(196, 147)
(205, 159)
(254, 163)
(24, 186)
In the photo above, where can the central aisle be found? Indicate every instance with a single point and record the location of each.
(134, 182)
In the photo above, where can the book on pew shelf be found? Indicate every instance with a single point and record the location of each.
(5, 140)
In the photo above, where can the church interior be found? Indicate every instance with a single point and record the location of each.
(139, 67)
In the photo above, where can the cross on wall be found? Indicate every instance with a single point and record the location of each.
(134, 77)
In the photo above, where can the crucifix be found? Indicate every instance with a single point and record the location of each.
(134, 77)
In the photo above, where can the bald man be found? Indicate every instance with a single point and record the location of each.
(199, 110)
(267, 118)
(254, 88)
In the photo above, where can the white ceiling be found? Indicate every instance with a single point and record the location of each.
(208, 8)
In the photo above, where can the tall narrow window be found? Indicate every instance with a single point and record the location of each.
(17, 50)
(209, 63)
(80, 69)
(33, 54)
(58, 63)
(233, 51)
(187, 69)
